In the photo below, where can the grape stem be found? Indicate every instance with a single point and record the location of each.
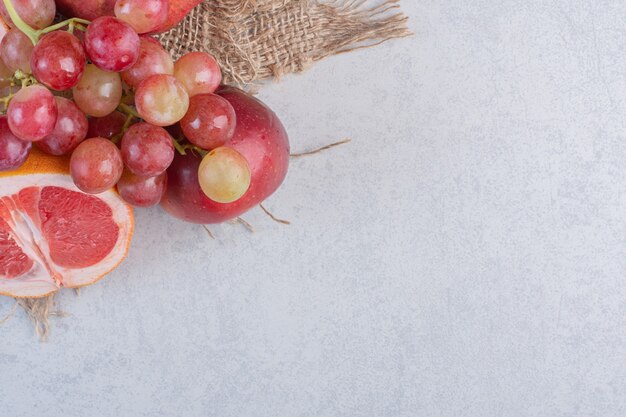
(128, 110)
(19, 77)
(31, 33)
(199, 151)
(182, 148)
(78, 26)
(179, 147)
(24, 78)
(131, 114)
(74, 22)
(129, 119)
(5, 101)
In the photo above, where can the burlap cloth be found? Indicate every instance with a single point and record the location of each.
(257, 39)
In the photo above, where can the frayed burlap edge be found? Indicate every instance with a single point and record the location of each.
(258, 39)
(39, 311)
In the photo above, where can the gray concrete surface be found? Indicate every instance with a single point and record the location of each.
(464, 256)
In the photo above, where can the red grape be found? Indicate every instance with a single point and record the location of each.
(37, 14)
(111, 44)
(210, 121)
(153, 59)
(161, 100)
(183, 196)
(142, 191)
(86, 9)
(13, 151)
(70, 129)
(143, 15)
(147, 150)
(107, 126)
(58, 60)
(199, 73)
(15, 51)
(96, 165)
(98, 92)
(32, 113)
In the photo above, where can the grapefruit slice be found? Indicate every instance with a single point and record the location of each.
(52, 235)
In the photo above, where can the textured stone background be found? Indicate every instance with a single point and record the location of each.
(464, 256)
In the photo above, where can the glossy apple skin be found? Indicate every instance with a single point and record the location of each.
(260, 137)
(86, 9)
(177, 11)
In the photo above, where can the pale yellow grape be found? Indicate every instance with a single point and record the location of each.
(98, 93)
(161, 100)
(224, 175)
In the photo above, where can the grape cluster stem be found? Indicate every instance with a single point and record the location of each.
(131, 114)
(128, 110)
(23, 78)
(5, 102)
(182, 148)
(33, 34)
(19, 78)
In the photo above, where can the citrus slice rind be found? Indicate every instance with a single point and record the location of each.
(52, 235)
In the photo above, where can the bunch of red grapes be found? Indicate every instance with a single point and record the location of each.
(131, 105)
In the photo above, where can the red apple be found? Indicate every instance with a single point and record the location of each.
(260, 137)
(177, 12)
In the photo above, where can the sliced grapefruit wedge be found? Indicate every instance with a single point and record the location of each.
(52, 235)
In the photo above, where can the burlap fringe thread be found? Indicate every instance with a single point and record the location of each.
(258, 39)
(39, 311)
